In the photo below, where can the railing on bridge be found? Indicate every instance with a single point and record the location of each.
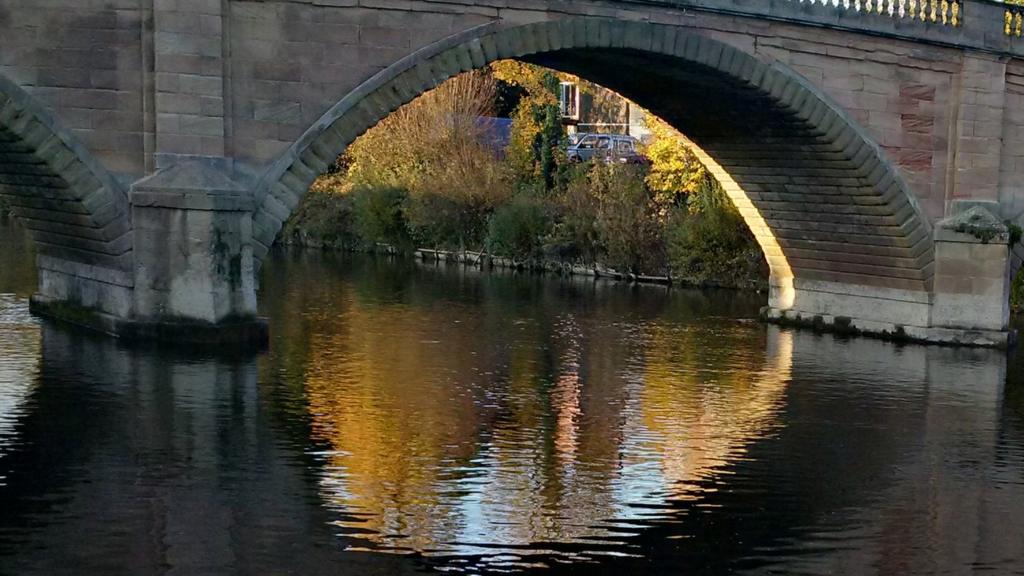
(945, 12)
(989, 25)
(1014, 18)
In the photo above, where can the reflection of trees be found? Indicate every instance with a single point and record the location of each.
(19, 364)
(388, 397)
(512, 420)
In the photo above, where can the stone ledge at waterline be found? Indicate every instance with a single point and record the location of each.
(241, 333)
(483, 260)
(847, 326)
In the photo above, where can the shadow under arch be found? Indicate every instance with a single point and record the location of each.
(76, 211)
(819, 195)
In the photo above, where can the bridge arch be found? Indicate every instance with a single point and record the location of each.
(75, 210)
(824, 203)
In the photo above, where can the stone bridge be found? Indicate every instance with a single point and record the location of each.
(875, 147)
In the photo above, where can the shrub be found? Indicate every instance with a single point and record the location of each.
(379, 217)
(517, 228)
(627, 226)
(323, 219)
(451, 223)
(709, 243)
(574, 235)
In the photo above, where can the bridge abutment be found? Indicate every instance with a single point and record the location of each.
(967, 303)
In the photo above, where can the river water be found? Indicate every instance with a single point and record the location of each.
(412, 419)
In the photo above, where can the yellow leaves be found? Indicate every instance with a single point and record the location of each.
(437, 143)
(336, 183)
(529, 77)
(675, 171)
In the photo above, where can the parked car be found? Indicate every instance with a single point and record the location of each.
(605, 148)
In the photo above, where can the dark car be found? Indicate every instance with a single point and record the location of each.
(605, 148)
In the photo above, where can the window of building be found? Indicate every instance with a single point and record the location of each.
(569, 100)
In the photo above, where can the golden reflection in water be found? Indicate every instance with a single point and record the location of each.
(702, 420)
(19, 332)
(19, 366)
(457, 426)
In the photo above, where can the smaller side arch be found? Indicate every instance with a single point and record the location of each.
(75, 210)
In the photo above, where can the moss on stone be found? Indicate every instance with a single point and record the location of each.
(977, 222)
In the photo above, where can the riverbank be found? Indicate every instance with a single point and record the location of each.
(485, 261)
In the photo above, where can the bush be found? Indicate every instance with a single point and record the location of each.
(451, 223)
(627, 225)
(324, 219)
(379, 217)
(517, 229)
(709, 243)
(607, 214)
(574, 235)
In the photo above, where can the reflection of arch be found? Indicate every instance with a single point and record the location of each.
(700, 432)
(817, 192)
(74, 208)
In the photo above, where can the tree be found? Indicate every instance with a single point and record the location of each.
(675, 171)
(536, 138)
(439, 152)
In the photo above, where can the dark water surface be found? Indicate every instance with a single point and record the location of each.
(411, 419)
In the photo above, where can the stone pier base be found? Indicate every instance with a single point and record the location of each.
(889, 330)
(247, 334)
(190, 276)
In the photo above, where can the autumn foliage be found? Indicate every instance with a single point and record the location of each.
(431, 176)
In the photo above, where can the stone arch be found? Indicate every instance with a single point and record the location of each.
(75, 210)
(823, 201)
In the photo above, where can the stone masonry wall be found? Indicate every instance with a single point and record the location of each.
(1011, 165)
(290, 60)
(189, 77)
(135, 79)
(83, 59)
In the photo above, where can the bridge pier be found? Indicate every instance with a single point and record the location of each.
(194, 268)
(193, 278)
(968, 303)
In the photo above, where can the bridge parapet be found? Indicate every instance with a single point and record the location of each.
(982, 25)
(944, 12)
(1014, 19)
